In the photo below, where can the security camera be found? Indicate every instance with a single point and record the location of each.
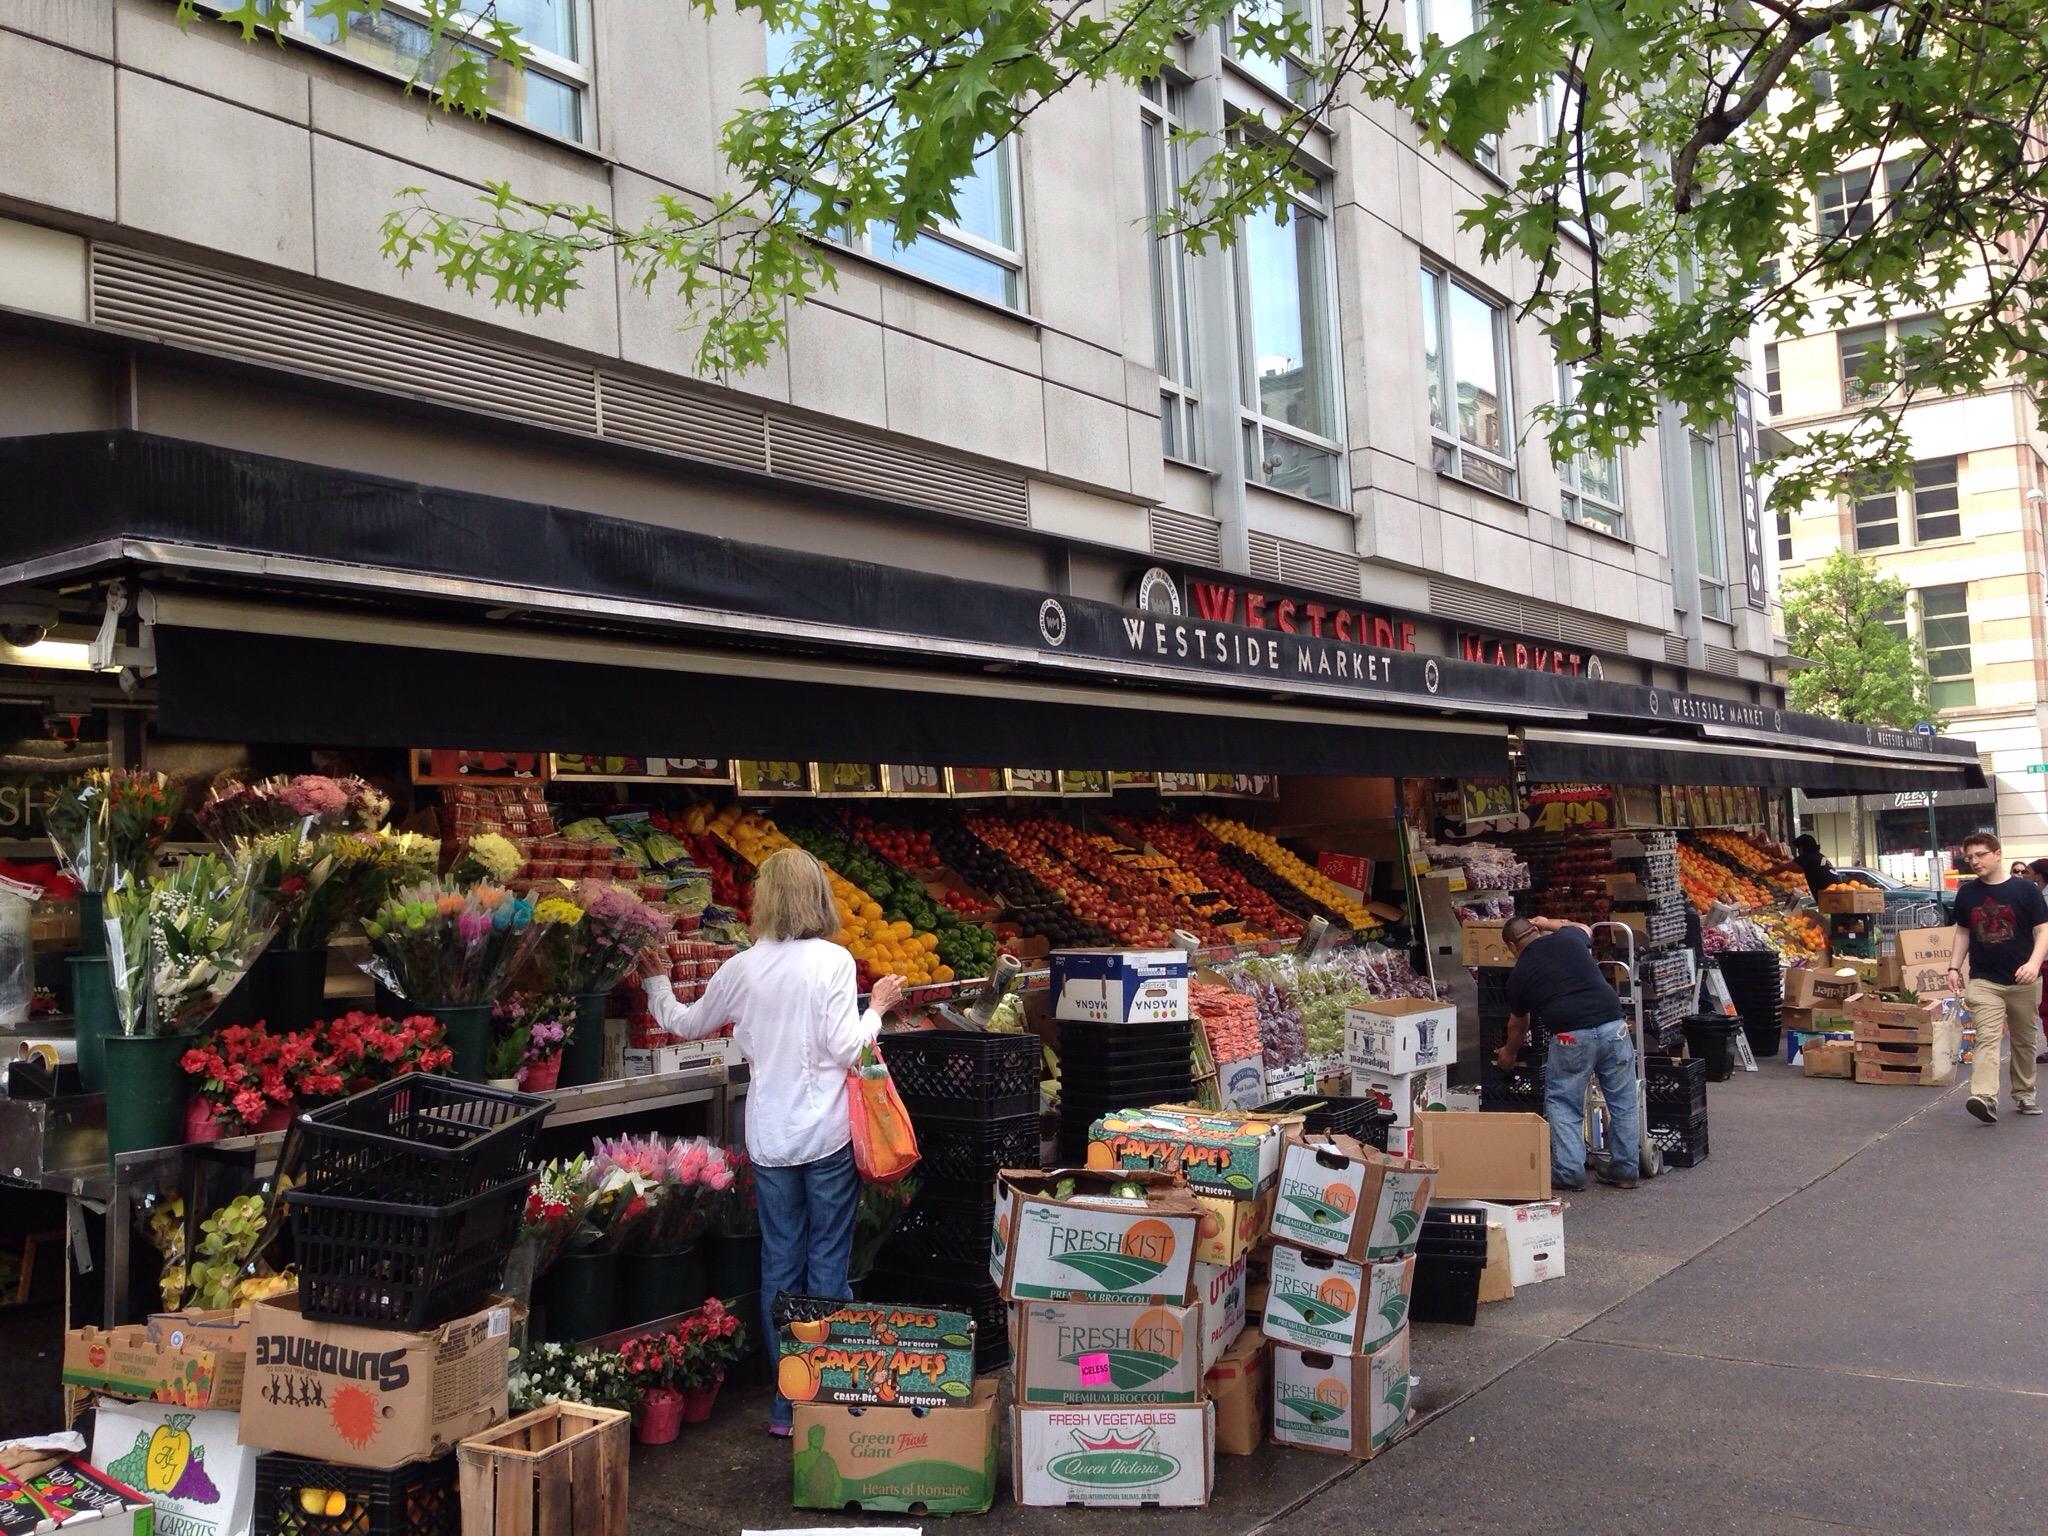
(26, 619)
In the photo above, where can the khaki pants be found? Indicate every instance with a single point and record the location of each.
(1997, 1011)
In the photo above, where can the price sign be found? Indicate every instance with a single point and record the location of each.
(1084, 781)
(1255, 786)
(910, 779)
(1218, 783)
(1183, 784)
(1140, 779)
(756, 777)
(1352, 871)
(1033, 781)
(847, 778)
(978, 781)
(640, 770)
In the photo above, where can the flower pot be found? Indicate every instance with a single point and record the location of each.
(541, 1076)
(293, 985)
(146, 1092)
(202, 1124)
(509, 1084)
(655, 1285)
(92, 1014)
(583, 1057)
(577, 1294)
(733, 1265)
(466, 1030)
(660, 1418)
(92, 925)
(697, 1402)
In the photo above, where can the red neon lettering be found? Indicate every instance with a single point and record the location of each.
(1255, 609)
(1521, 654)
(1315, 612)
(1407, 636)
(1340, 624)
(1213, 602)
(1382, 631)
(1284, 615)
(1474, 646)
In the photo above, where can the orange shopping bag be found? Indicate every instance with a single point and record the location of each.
(884, 1145)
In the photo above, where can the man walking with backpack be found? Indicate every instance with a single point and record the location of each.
(2000, 940)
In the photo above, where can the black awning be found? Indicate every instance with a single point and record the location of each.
(1616, 758)
(219, 684)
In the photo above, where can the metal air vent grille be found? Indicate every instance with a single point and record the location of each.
(1721, 659)
(1322, 570)
(1496, 610)
(1185, 536)
(654, 416)
(807, 450)
(1524, 616)
(1674, 650)
(1264, 557)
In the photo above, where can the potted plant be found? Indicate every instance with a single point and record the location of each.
(176, 945)
(663, 1270)
(561, 1373)
(660, 1367)
(357, 1050)
(240, 1081)
(507, 1049)
(733, 1267)
(549, 1021)
(580, 1291)
(715, 1339)
(449, 951)
(591, 940)
(106, 826)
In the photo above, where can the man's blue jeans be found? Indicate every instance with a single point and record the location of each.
(806, 1217)
(1576, 1057)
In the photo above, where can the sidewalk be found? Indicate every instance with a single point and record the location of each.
(1835, 1322)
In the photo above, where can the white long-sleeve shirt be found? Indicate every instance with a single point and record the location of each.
(791, 1005)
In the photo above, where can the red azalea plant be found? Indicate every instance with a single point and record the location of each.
(359, 1050)
(243, 1072)
(714, 1339)
(659, 1362)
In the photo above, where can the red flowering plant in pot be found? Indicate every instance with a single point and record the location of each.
(354, 1051)
(242, 1081)
(713, 1339)
(660, 1366)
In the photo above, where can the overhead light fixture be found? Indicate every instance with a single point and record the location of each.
(55, 655)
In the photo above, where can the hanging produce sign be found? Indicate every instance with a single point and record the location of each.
(1218, 783)
(914, 779)
(1641, 805)
(1084, 781)
(640, 770)
(1140, 779)
(461, 765)
(1696, 805)
(978, 781)
(847, 778)
(1033, 781)
(756, 777)
(1489, 805)
(1245, 786)
(1570, 807)
(1183, 784)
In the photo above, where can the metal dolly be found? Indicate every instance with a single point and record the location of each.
(1650, 1157)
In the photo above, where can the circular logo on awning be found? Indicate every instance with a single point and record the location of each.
(1157, 593)
(1432, 676)
(1595, 669)
(1777, 720)
(1655, 704)
(1052, 621)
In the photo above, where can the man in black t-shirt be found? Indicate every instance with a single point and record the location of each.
(1556, 975)
(1819, 873)
(2001, 937)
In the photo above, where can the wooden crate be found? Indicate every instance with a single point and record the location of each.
(1850, 898)
(1906, 1066)
(558, 1471)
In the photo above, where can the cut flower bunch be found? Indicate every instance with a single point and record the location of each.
(438, 945)
(106, 825)
(593, 933)
(180, 942)
(312, 802)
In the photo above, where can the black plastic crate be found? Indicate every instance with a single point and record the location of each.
(1522, 1098)
(1683, 1145)
(419, 1139)
(1336, 1115)
(1678, 1084)
(421, 1498)
(940, 1228)
(970, 1292)
(1446, 1290)
(973, 1152)
(388, 1265)
(953, 1074)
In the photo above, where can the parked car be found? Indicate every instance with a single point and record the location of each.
(1897, 895)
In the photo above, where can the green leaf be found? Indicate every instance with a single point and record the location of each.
(1394, 1309)
(1404, 1224)
(1237, 1180)
(956, 1389)
(957, 1340)
(1114, 1271)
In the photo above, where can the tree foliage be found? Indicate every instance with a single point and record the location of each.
(1667, 202)
(1859, 668)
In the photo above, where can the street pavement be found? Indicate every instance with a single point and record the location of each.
(1836, 1323)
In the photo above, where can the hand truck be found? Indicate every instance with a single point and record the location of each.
(1650, 1157)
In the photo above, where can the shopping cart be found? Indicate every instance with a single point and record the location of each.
(1622, 972)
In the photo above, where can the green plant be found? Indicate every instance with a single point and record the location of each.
(563, 1373)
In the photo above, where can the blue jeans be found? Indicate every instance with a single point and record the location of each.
(1576, 1056)
(806, 1215)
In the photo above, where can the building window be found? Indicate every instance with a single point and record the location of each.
(1937, 502)
(1945, 631)
(981, 251)
(1774, 380)
(1285, 77)
(1452, 21)
(1877, 517)
(1842, 205)
(1858, 347)
(1592, 481)
(1465, 349)
(1287, 325)
(1711, 543)
(1784, 536)
(1162, 106)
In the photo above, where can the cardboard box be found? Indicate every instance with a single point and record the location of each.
(1485, 1157)
(1239, 1389)
(1925, 955)
(78, 1496)
(374, 1397)
(1483, 944)
(1323, 1303)
(1231, 1162)
(1221, 1290)
(1404, 1094)
(1807, 986)
(1119, 986)
(1879, 975)
(684, 1056)
(1345, 1405)
(1094, 1246)
(189, 1465)
(1258, 1277)
(909, 1460)
(1400, 1034)
(1340, 1197)
(1850, 899)
(1533, 1231)
(1242, 1084)
(1497, 1279)
(1871, 1016)
(1088, 1353)
(1158, 1457)
(1829, 1058)
(908, 1357)
(195, 1371)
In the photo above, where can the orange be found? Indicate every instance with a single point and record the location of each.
(1099, 1155)
(797, 1378)
(809, 1332)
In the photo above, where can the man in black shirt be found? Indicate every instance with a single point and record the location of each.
(1819, 873)
(1555, 975)
(2001, 937)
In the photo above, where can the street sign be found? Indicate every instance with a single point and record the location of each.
(2037, 767)
(1923, 729)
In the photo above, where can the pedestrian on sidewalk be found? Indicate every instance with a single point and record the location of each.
(2001, 938)
(2038, 873)
(1556, 976)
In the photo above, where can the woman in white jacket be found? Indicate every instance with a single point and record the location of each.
(793, 1008)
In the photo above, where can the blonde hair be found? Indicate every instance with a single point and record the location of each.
(793, 899)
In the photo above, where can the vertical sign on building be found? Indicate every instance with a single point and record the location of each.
(1750, 498)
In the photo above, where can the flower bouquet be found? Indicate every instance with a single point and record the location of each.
(563, 1373)
(332, 880)
(178, 943)
(106, 824)
(312, 801)
(548, 1020)
(242, 1077)
(550, 1218)
(353, 1051)
(680, 1179)
(438, 945)
(594, 935)
(488, 856)
(737, 1216)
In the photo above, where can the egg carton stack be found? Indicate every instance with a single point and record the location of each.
(1658, 915)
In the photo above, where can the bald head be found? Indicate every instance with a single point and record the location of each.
(1516, 932)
